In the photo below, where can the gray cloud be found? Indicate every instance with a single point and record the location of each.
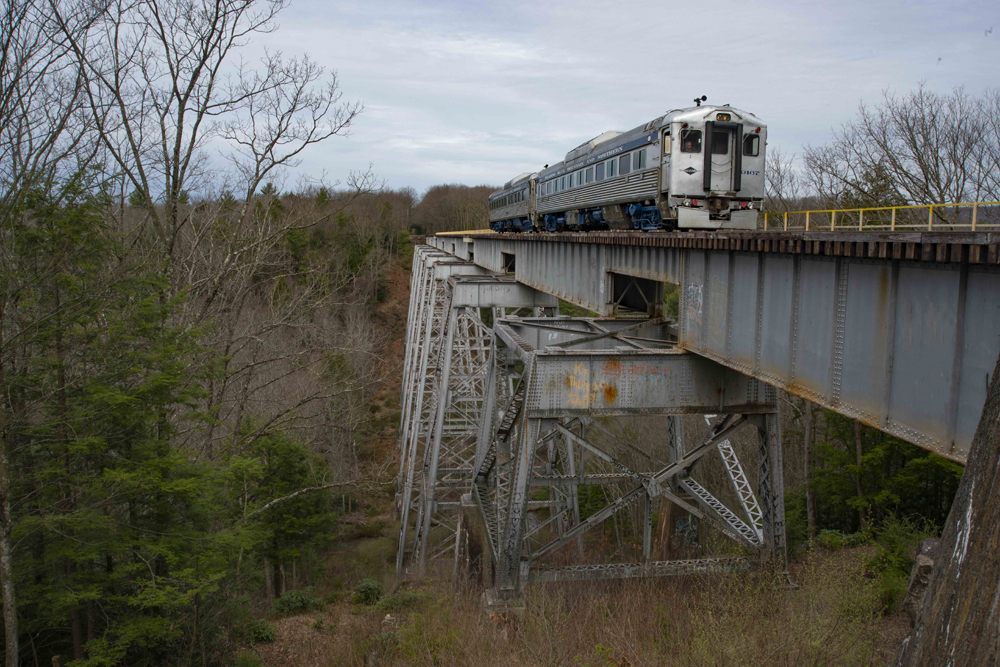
(479, 92)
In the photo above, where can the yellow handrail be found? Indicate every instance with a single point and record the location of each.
(862, 224)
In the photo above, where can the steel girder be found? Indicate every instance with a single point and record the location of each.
(548, 379)
(903, 345)
(445, 369)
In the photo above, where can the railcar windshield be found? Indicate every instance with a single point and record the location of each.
(720, 143)
(691, 141)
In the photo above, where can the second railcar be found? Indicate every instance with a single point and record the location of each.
(512, 208)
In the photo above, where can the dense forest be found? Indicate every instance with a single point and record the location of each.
(200, 365)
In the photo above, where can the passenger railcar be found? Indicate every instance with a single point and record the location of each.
(512, 208)
(695, 168)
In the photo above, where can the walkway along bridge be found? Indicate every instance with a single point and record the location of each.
(500, 427)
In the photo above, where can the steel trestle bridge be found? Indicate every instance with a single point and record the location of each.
(506, 404)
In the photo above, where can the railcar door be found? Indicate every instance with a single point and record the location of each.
(723, 158)
(665, 159)
(686, 161)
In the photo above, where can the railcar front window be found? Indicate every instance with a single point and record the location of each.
(590, 174)
(751, 145)
(720, 143)
(611, 168)
(624, 164)
(691, 141)
(599, 172)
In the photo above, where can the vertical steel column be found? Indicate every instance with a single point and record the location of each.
(441, 380)
(509, 583)
(772, 487)
(647, 528)
(424, 393)
(574, 494)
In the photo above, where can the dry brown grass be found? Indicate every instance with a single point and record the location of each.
(743, 619)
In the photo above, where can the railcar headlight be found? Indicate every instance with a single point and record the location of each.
(687, 202)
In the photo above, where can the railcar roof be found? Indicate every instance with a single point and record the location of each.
(515, 182)
(610, 140)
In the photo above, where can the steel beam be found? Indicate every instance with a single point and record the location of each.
(518, 452)
(903, 341)
(445, 382)
(491, 414)
(665, 568)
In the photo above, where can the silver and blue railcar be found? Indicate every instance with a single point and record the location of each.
(695, 168)
(512, 208)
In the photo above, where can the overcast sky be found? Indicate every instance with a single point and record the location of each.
(478, 92)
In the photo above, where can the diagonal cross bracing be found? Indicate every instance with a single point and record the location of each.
(445, 383)
(562, 385)
(495, 414)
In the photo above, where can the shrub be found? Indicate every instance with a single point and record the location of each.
(247, 659)
(399, 601)
(259, 631)
(296, 602)
(796, 522)
(834, 539)
(896, 541)
(367, 592)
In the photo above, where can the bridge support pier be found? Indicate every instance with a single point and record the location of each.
(514, 417)
(557, 386)
(444, 380)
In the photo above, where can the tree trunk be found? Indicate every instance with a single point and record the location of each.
(807, 469)
(862, 519)
(958, 623)
(6, 552)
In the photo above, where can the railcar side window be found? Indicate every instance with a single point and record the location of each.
(751, 145)
(624, 164)
(590, 174)
(691, 141)
(639, 160)
(599, 172)
(611, 168)
(720, 143)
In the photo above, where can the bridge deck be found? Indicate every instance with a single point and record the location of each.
(971, 247)
(899, 330)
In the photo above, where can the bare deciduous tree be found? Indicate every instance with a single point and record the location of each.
(163, 83)
(920, 148)
(166, 88)
(782, 183)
